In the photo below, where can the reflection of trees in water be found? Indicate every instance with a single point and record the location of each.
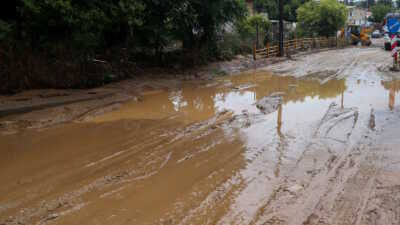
(295, 89)
(199, 102)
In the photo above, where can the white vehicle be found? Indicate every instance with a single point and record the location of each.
(376, 34)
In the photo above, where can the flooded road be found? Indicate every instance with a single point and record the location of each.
(207, 153)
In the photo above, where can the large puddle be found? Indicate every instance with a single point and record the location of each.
(196, 154)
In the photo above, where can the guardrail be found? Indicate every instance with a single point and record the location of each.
(295, 45)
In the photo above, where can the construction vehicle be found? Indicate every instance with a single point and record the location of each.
(359, 34)
(356, 34)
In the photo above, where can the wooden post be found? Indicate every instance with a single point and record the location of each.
(254, 52)
(267, 49)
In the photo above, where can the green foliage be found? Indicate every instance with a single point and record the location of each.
(385, 2)
(96, 25)
(258, 22)
(82, 25)
(5, 30)
(323, 18)
(246, 32)
(198, 23)
(366, 4)
(290, 9)
(379, 12)
(53, 43)
(271, 8)
(267, 6)
(247, 28)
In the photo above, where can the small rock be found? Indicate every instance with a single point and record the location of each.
(270, 103)
(52, 216)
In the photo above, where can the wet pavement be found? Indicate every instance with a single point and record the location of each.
(206, 154)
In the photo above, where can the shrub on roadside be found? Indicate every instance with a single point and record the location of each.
(56, 43)
(322, 18)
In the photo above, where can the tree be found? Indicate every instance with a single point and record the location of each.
(199, 23)
(260, 24)
(386, 2)
(271, 8)
(366, 4)
(267, 6)
(324, 18)
(97, 25)
(290, 9)
(379, 12)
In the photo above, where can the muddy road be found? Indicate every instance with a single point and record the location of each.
(313, 140)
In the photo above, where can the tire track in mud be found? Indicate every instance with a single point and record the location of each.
(339, 64)
(124, 176)
(295, 186)
(339, 191)
(356, 188)
(73, 200)
(110, 175)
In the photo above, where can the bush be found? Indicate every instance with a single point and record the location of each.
(379, 12)
(47, 41)
(323, 19)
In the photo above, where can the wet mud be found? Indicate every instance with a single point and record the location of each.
(310, 141)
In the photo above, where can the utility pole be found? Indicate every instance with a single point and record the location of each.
(281, 50)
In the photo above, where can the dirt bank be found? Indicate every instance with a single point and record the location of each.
(307, 141)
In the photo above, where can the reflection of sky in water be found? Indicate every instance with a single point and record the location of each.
(177, 100)
(236, 101)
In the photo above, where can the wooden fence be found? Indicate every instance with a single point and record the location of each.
(296, 45)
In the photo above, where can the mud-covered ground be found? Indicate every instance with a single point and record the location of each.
(311, 140)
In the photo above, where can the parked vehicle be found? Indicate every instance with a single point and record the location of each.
(376, 34)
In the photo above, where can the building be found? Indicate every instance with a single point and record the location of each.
(357, 16)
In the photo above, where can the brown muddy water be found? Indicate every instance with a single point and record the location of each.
(197, 154)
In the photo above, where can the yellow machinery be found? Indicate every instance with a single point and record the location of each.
(359, 34)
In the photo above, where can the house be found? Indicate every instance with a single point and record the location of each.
(357, 16)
